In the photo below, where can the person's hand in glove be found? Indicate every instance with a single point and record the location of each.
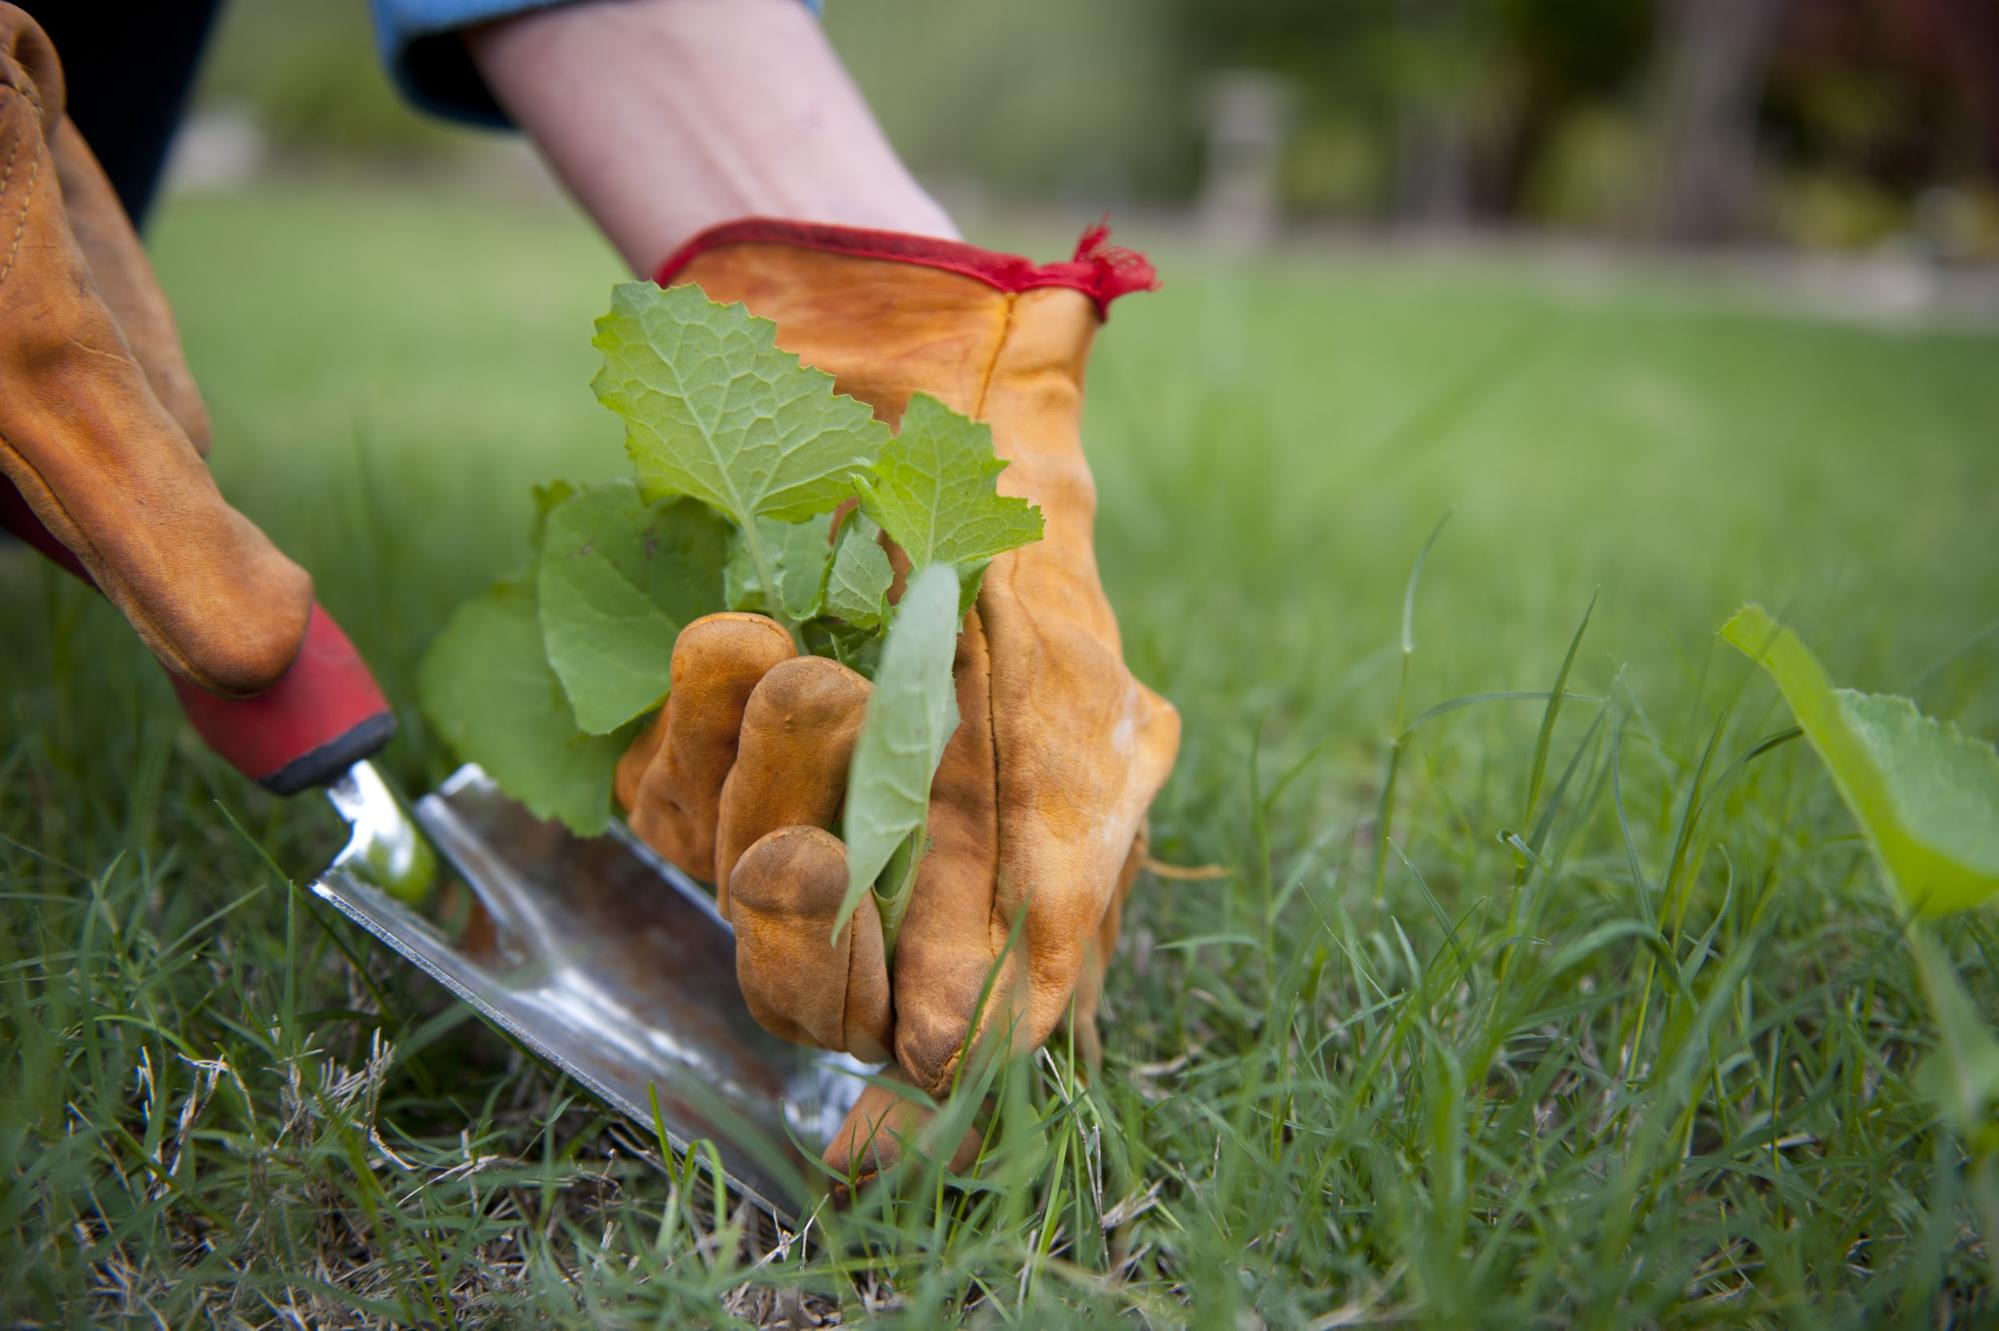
(101, 428)
(1038, 805)
(666, 119)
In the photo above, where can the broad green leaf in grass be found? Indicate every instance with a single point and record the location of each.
(1925, 794)
(1961, 1075)
(933, 490)
(617, 580)
(799, 554)
(488, 689)
(857, 587)
(911, 714)
(714, 410)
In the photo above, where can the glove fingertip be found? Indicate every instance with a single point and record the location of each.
(785, 892)
(880, 1128)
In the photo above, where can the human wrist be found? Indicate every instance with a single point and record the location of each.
(667, 117)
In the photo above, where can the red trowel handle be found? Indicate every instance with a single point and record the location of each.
(324, 715)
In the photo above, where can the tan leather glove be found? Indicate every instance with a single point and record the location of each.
(101, 428)
(1038, 805)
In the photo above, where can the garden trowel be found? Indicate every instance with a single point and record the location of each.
(593, 953)
(600, 958)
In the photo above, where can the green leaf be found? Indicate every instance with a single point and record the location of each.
(971, 577)
(1925, 794)
(714, 410)
(1961, 1075)
(857, 649)
(618, 579)
(911, 714)
(547, 498)
(741, 588)
(487, 688)
(857, 587)
(799, 554)
(933, 490)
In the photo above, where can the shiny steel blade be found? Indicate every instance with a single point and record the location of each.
(601, 959)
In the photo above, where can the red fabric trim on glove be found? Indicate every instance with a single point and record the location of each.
(1100, 271)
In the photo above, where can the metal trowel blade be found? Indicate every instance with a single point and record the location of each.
(603, 960)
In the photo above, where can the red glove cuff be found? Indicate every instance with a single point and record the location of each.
(1100, 271)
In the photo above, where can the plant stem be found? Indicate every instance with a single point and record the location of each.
(1964, 1046)
(773, 594)
(900, 879)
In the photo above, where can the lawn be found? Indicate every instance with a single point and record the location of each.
(1616, 1030)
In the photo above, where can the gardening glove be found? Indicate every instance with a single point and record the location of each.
(101, 427)
(1038, 805)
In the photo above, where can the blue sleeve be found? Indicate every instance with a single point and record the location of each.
(420, 47)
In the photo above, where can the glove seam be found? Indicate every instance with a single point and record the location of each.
(28, 88)
(1007, 319)
(1007, 322)
(27, 194)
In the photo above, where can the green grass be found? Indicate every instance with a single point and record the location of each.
(1610, 1023)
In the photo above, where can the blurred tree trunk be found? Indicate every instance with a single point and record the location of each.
(1433, 138)
(1713, 56)
(1434, 165)
(1248, 116)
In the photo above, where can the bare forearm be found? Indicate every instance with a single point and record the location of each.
(665, 117)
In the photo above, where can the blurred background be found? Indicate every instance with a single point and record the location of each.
(1685, 301)
(1831, 127)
